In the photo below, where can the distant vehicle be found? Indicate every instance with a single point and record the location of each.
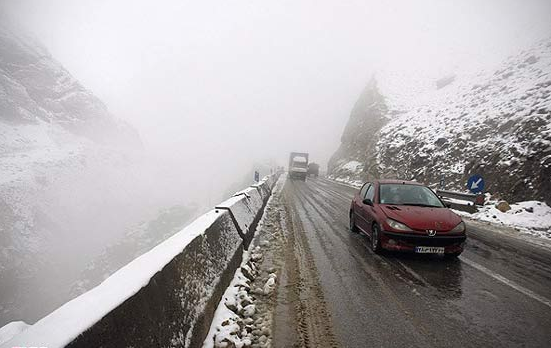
(406, 216)
(313, 169)
(298, 165)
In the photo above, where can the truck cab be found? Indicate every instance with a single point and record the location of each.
(313, 169)
(298, 165)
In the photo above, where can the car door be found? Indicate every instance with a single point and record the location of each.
(357, 200)
(368, 211)
(360, 208)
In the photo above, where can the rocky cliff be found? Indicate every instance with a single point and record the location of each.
(496, 124)
(356, 157)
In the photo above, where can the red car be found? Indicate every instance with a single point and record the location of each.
(406, 216)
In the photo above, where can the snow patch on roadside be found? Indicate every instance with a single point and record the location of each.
(530, 217)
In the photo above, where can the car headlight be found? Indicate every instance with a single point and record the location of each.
(459, 228)
(397, 225)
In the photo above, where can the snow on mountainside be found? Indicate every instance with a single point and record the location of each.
(497, 125)
(72, 181)
(35, 88)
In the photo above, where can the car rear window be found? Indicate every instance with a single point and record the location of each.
(404, 194)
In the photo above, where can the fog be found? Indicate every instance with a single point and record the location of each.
(216, 88)
(218, 85)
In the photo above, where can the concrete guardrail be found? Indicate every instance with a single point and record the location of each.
(166, 297)
(461, 201)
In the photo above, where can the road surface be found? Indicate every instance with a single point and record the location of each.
(335, 292)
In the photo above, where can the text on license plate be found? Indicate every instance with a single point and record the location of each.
(429, 250)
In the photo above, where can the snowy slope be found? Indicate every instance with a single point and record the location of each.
(71, 179)
(497, 124)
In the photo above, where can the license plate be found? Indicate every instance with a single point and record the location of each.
(429, 250)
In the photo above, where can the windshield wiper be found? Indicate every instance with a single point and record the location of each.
(422, 205)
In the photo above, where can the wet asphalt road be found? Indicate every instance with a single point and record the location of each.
(497, 294)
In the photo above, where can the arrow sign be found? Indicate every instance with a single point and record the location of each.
(475, 184)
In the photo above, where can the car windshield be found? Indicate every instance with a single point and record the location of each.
(403, 194)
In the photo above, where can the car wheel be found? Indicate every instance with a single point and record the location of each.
(375, 242)
(353, 227)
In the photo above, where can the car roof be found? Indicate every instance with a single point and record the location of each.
(395, 181)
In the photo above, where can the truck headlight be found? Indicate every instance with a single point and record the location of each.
(397, 225)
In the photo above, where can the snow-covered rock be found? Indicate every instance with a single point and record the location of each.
(270, 285)
(249, 310)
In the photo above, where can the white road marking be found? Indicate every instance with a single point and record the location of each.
(508, 282)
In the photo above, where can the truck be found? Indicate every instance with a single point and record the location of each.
(298, 165)
(313, 169)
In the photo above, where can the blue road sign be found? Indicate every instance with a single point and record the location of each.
(256, 176)
(475, 184)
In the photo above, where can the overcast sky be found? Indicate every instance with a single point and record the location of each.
(248, 80)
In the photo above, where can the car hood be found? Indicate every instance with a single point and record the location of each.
(422, 218)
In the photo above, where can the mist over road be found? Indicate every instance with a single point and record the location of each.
(496, 294)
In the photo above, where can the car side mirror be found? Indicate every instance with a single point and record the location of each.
(367, 201)
(448, 205)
